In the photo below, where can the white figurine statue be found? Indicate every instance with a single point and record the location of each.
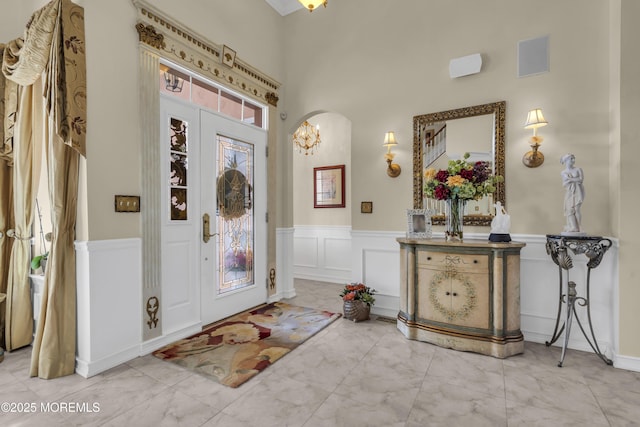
(572, 178)
(500, 225)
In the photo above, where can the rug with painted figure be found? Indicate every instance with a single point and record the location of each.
(239, 347)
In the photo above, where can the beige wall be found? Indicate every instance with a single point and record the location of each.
(113, 147)
(381, 65)
(335, 149)
(629, 230)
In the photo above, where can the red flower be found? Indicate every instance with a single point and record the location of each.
(466, 174)
(350, 296)
(441, 192)
(442, 175)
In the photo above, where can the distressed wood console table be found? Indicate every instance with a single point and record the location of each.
(558, 247)
(461, 295)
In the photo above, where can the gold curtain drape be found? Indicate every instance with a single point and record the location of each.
(6, 199)
(26, 172)
(54, 347)
(53, 47)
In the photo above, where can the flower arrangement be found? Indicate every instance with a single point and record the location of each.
(358, 292)
(460, 180)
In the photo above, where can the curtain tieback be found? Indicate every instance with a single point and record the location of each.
(12, 233)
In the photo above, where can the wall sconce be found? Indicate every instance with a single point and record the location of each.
(393, 169)
(534, 158)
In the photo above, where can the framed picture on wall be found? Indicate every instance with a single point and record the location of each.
(329, 187)
(419, 223)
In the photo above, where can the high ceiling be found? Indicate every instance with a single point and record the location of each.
(285, 7)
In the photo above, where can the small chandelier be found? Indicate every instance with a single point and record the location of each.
(173, 82)
(306, 137)
(313, 4)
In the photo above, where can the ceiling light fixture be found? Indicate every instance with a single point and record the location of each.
(173, 82)
(313, 4)
(306, 137)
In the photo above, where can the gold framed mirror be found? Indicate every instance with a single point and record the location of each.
(487, 144)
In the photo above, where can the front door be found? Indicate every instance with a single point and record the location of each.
(233, 237)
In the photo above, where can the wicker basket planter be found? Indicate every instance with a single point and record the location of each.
(356, 310)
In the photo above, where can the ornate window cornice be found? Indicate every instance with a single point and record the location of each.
(184, 47)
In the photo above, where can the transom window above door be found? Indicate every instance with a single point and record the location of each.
(180, 83)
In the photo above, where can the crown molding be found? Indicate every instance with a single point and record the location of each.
(177, 43)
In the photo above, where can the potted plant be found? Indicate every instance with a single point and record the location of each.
(40, 261)
(357, 301)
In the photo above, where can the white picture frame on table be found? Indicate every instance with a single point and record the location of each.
(419, 223)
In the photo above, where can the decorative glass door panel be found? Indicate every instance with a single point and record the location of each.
(235, 214)
(178, 168)
(233, 195)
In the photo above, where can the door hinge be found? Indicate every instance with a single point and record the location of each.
(266, 151)
(266, 217)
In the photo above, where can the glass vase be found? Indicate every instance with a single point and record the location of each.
(454, 215)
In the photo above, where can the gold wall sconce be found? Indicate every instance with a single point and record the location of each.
(393, 169)
(534, 158)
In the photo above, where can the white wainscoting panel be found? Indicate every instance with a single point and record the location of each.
(540, 294)
(322, 253)
(109, 278)
(374, 261)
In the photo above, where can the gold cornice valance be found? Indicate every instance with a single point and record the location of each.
(182, 46)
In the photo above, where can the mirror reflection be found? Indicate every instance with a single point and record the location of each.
(447, 135)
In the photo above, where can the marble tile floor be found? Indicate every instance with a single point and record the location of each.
(350, 374)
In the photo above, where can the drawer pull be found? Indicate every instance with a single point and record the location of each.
(455, 294)
(447, 293)
(428, 258)
(475, 261)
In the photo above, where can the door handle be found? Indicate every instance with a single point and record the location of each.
(206, 224)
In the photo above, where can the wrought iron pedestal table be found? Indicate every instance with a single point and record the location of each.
(558, 247)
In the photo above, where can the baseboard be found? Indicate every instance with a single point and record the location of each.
(89, 369)
(386, 305)
(626, 362)
(577, 344)
(386, 312)
(275, 297)
(284, 294)
(159, 342)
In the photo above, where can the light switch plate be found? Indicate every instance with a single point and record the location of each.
(127, 203)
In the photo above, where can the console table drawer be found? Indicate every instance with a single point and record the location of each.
(475, 263)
